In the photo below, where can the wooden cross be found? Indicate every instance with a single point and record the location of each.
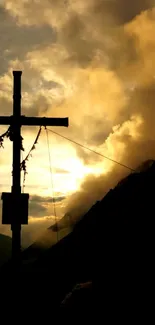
(19, 201)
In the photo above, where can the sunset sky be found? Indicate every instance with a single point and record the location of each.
(94, 62)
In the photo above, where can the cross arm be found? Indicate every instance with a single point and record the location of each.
(36, 121)
(45, 121)
(5, 120)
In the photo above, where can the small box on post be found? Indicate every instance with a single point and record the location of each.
(8, 207)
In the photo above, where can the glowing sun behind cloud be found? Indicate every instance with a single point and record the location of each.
(57, 171)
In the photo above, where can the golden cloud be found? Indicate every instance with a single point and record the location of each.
(102, 63)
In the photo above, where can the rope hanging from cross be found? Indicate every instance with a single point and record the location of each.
(15, 203)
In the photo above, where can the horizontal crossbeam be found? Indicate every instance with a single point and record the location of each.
(36, 121)
(5, 120)
(45, 121)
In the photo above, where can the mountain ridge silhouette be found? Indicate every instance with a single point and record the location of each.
(115, 237)
(124, 190)
(113, 244)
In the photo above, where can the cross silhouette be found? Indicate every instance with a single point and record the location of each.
(15, 204)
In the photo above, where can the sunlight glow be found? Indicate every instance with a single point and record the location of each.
(68, 170)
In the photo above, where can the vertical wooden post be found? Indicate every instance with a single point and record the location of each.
(16, 188)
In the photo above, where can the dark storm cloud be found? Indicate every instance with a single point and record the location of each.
(81, 48)
(41, 199)
(39, 206)
(17, 41)
(82, 32)
(36, 209)
(93, 32)
(86, 45)
(122, 10)
(145, 98)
